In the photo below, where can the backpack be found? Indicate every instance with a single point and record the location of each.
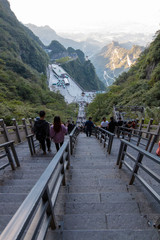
(40, 130)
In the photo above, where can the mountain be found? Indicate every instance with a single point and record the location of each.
(114, 59)
(140, 86)
(23, 68)
(74, 62)
(84, 74)
(47, 35)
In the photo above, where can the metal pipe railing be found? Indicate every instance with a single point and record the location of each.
(137, 136)
(36, 213)
(106, 137)
(140, 154)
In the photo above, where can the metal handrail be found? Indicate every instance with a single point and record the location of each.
(138, 164)
(150, 140)
(106, 137)
(73, 135)
(36, 213)
(7, 146)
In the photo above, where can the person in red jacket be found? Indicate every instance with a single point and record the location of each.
(158, 150)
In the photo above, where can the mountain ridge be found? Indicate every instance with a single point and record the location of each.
(113, 59)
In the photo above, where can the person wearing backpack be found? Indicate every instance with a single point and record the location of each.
(42, 131)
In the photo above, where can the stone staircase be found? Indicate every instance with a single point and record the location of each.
(15, 185)
(99, 203)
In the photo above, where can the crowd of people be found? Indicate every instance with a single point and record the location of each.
(105, 124)
(56, 133)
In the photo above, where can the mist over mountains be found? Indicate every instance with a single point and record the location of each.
(90, 43)
(111, 52)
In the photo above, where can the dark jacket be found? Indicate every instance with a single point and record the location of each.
(41, 129)
(111, 126)
(89, 124)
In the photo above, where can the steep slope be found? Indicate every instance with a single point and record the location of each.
(74, 63)
(139, 86)
(84, 74)
(114, 59)
(23, 65)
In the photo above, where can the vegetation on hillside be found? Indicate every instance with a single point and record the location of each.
(73, 61)
(84, 74)
(139, 86)
(23, 81)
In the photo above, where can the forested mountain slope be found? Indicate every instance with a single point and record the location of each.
(23, 64)
(74, 62)
(84, 73)
(139, 86)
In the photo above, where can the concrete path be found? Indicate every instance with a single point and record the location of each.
(99, 203)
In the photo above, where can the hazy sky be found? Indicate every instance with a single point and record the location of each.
(90, 15)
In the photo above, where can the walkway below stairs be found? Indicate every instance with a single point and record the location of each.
(99, 203)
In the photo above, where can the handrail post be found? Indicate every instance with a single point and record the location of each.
(6, 134)
(15, 154)
(31, 144)
(124, 148)
(120, 153)
(46, 198)
(136, 167)
(17, 130)
(68, 156)
(63, 171)
(155, 138)
(71, 145)
(148, 127)
(25, 126)
(9, 157)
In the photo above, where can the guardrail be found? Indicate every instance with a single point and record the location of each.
(137, 163)
(7, 146)
(148, 142)
(36, 213)
(17, 133)
(73, 135)
(106, 137)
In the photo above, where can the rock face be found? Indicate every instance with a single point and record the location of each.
(115, 59)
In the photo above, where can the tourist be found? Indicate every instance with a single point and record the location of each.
(120, 122)
(111, 125)
(104, 123)
(41, 130)
(69, 126)
(57, 132)
(89, 125)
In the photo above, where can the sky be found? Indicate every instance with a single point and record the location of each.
(90, 15)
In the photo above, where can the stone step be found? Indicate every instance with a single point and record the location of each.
(104, 235)
(97, 208)
(97, 189)
(19, 182)
(16, 189)
(12, 197)
(110, 197)
(105, 221)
